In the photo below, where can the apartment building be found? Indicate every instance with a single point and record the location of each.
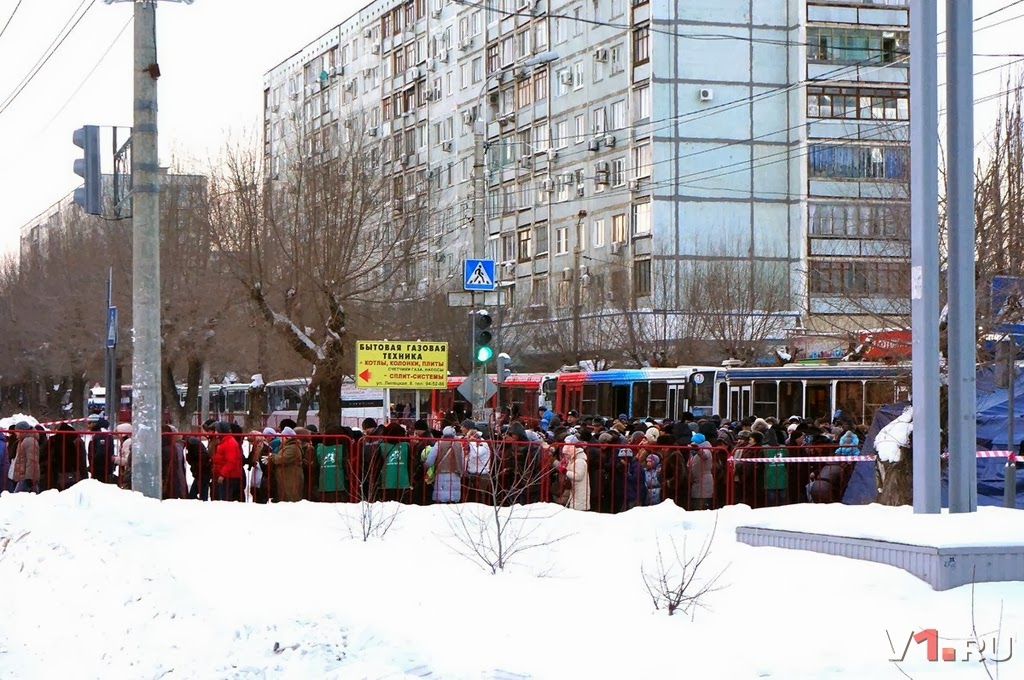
(625, 144)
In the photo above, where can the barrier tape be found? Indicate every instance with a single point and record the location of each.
(67, 420)
(1011, 455)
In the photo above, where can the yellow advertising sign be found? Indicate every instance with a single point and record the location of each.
(403, 364)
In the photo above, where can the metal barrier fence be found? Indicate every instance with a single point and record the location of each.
(600, 477)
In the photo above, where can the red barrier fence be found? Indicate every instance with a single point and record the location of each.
(594, 476)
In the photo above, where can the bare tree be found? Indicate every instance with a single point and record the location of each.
(679, 583)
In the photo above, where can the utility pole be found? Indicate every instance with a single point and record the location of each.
(924, 254)
(962, 415)
(577, 282)
(146, 361)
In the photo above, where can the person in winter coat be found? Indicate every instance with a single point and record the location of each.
(574, 468)
(226, 462)
(101, 452)
(478, 465)
(776, 478)
(286, 466)
(123, 454)
(201, 466)
(631, 476)
(26, 461)
(173, 465)
(395, 482)
(702, 477)
(447, 457)
(6, 483)
(67, 458)
(332, 459)
(652, 478)
(310, 465)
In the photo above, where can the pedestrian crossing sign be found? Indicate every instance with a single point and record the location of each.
(479, 275)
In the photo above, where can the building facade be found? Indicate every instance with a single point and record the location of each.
(608, 154)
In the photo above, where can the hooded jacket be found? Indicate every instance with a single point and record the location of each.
(26, 463)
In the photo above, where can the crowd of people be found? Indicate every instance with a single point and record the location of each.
(584, 463)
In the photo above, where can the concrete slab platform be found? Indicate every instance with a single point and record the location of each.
(945, 567)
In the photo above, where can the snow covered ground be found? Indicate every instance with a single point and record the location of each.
(97, 582)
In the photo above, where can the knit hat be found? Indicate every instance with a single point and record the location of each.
(369, 423)
(698, 438)
(572, 439)
(743, 434)
(288, 432)
(448, 431)
(420, 425)
(468, 424)
(654, 457)
(269, 430)
(652, 434)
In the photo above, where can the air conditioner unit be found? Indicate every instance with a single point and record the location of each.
(565, 77)
(372, 132)
(609, 141)
(525, 162)
(552, 153)
(413, 73)
(601, 54)
(548, 185)
(467, 117)
(400, 161)
(601, 177)
(615, 248)
(337, 71)
(566, 274)
(601, 166)
(375, 48)
(510, 268)
(593, 145)
(410, 161)
(409, 114)
(274, 108)
(521, 73)
(465, 44)
(706, 94)
(350, 85)
(432, 95)
(368, 33)
(432, 65)
(294, 95)
(507, 119)
(446, 146)
(436, 14)
(348, 123)
(581, 190)
(634, 185)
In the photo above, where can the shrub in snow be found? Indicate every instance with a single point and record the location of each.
(678, 581)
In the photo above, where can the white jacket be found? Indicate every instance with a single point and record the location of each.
(478, 458)
(576, 472)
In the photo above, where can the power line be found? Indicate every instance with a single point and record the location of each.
(50, 51)
(10, 19)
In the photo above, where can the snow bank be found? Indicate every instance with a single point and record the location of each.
(102, 583)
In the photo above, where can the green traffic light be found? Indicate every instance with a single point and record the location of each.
(484, 354)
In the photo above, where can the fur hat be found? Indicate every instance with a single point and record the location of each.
(760, 425)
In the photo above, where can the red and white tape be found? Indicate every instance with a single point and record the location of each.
(1011, 455)
(69, 420)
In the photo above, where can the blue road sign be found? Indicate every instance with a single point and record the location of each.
(1008, 306)
(111, 327)
(479, 275)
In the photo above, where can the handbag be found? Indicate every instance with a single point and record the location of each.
(255, 477)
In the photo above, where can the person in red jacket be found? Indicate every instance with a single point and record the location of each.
(227, 464)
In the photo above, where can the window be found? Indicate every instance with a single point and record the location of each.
(540, 138)
(618, 177)
(581, 129)
(858, 277)
(577, 75)
(619, 228)
(565, 184)
(540, 35)
(642, 159)
(577, 22)
(598, 71)
(581, 236)
(617, 59)
(887, 220)
(642, 102)
(561, 139)
(464, 78)
(641, 44)
(562, 79)
(848, 45)
(642, 218)
(598, 233)
(478, 70)
(523, 44)
(524, 93)
(541, 238)
(540, 84)
(642, 278)
(508, 51)
(862, 103)
(539, 291)
(836, 161)
(525, 252)
(618, 121)
(618, 8)
(493, 59)
(598, 117)
(509, 195)
(508, 248)
(561, 240)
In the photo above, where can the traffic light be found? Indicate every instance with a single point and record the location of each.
(88, 196)
(482, 350)
(504, 367)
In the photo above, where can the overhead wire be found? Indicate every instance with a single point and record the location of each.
(10, 19)
(66, 30)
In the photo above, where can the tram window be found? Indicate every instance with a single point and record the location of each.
(588, 405)
(236, 400)
(818, 403)
(723, 402)
(766, 399)
(659, 398)
(850, 398)
(703, 400)
(403, 404)
(877, 394)
(641, 391)
(548, 388)
(605, 401)
(424, 400)
(791, 398)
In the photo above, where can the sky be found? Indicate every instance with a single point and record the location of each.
(212, 56)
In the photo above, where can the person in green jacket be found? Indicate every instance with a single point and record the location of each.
(395, 483)
(333, 457)
(776, 480)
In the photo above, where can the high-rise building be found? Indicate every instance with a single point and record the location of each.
(645, 164)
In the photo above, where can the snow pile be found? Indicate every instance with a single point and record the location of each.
(894, 436)
(9, 422)
(102, 583)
